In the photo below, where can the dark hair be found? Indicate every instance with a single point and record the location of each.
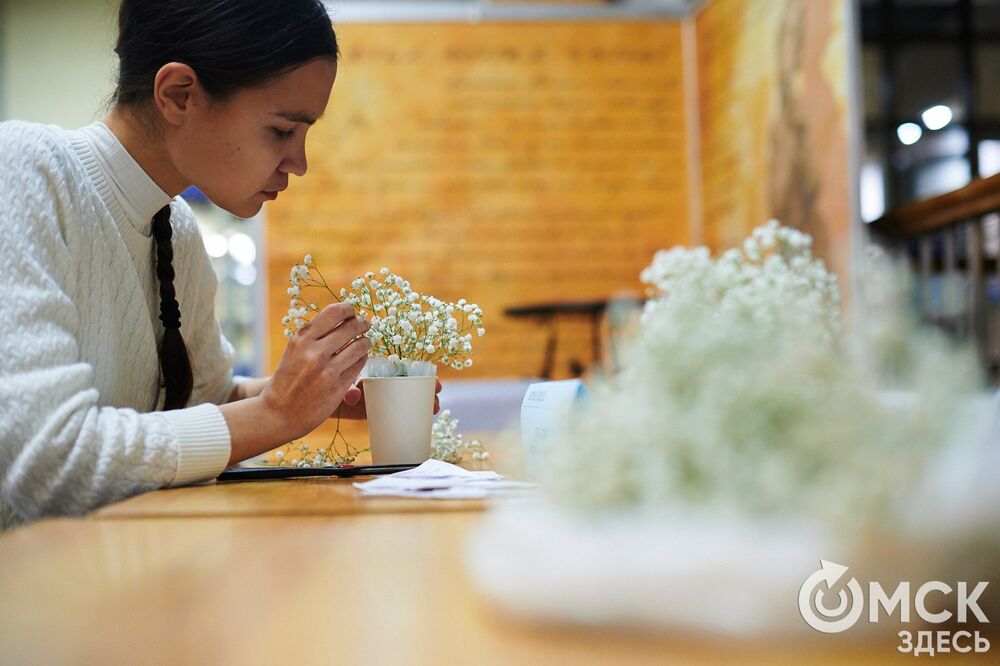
(231, 45)
(175, 366)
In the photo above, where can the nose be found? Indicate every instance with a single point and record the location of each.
(295, 163)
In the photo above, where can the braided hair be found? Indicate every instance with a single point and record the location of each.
(231, 45)
(175, 366)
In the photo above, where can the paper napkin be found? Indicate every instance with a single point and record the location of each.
(436, 479)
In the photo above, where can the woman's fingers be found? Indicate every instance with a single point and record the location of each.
(350, 375)
(345, 334)
(351, 358)
(337, 338)
(318, 368)
(353, 396)
(328, 320)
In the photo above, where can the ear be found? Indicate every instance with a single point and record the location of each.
(176, 91)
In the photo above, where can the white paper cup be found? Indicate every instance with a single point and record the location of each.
(400, 416)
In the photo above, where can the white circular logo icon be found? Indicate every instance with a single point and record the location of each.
(829, 581)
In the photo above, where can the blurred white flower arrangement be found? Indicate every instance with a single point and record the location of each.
(775, 266)
(408, 329)
(447, 444)
(745, 438)
(739, 395)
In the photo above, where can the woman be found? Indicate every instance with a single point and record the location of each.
(107, 313)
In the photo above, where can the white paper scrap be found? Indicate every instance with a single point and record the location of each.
(439, 468)
(436, 479)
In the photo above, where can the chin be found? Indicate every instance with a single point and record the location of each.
(243, 209)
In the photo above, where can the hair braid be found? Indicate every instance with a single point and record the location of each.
(174, 363)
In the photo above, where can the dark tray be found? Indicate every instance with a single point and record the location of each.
(255, 473)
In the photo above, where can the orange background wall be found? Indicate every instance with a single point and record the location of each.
(528, 162)
(503, 163)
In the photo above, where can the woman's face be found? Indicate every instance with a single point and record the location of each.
(240, 151)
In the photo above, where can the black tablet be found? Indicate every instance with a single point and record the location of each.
(276, 472)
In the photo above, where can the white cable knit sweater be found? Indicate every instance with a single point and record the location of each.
(79, 374)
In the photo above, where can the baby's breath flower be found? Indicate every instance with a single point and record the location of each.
(447, 443)
(405, 324)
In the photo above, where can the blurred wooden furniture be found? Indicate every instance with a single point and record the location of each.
(549, 314)
(953, 242)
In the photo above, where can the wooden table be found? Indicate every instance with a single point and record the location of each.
(307, 496)
(300, 572)
(314, 496)
(354, 589)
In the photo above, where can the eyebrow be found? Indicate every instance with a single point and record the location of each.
(298, 117)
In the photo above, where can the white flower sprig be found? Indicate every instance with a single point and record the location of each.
(300, 454)
(298, 310)
(405, 324)
(447, 443)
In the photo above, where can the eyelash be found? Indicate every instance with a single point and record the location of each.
(283, 134)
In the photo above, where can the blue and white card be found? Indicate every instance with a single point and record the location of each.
(545, 414)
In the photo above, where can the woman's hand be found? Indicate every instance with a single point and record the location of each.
(319, 367)
(353, 406)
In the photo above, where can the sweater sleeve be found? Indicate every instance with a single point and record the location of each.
(61, 452)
